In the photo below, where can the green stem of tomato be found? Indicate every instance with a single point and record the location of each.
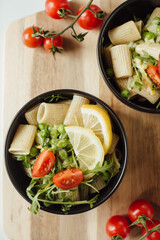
(76, 18)
(156, 228)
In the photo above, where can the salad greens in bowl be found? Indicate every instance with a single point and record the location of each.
(66, 152)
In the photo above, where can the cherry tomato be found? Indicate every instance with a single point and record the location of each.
(140, 207)
(43, 164)
(153, 73)
(117, 225)
(52, 7)
(68, 178)
(155, 235)
(159, 66)
(57, 42)
(30, 41)
(87, 20)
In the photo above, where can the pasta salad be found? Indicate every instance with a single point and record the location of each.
(68, 150)
(133, 58)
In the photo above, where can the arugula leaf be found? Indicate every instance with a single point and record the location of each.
(108, 166)
(146, 57)
(158, 105)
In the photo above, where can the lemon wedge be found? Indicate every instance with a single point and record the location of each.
(98, 120)
(87, 147)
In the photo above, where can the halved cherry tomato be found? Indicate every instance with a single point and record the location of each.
(117, 225)
(155, 235)
(159, 66)
(43, 164)
(57, 42)
(30, 41)
(68, 178)
(52, 7)
(153, 73)
(140, 207)
(87, 20)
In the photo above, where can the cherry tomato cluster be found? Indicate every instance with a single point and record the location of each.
(66, 179)
(140, 213)
(33, 42)
(88, 17)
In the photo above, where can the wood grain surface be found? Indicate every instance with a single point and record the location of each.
(29, 72)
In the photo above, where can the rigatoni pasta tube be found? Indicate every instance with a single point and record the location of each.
(98, 183)
(122, 83)
(145, 92)
(155, 13)
(153, 49)
(107, 55)
(74, 116)
(52, 113)
(125, 33)
(23, 139)
(121, 59)
(31, 115)
(139, 25)
(115, 139)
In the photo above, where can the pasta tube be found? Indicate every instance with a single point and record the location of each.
(107, 55)
(74, 116)
(139, 25)
(52, 113)
(31, 115)
(84, 192)
(122, 83)
(153, 49)
(98, 183)
(155, 13)
(72, 194)
(115, 139)
(23, 139)
(116, 162)
(121, 60)
(125, 33)
(145, 92)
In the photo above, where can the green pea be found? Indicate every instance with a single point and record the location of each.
(63, 154)
(156, 20)
(34, 152)
(54, 133)
(62, 143)
(158, 29)
(125, 93)
(61, 129)
(54, 142)
(109, 72)
(44, 133)
(149, 35)
(39, 139)
(42, 126)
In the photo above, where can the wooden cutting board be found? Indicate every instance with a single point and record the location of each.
(29, 72)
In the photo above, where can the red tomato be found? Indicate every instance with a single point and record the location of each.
(155, 235)
(43, 164)
(30, 41)
(117, 225)
(52, 7)
(68, 178)
(87, 20)
(159, 66)
(140, 207)
(153, 73)
(57, 42)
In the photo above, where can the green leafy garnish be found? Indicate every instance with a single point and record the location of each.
(158, 105)
(138, 84)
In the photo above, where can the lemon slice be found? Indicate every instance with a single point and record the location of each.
(97, 119)
(87, 147)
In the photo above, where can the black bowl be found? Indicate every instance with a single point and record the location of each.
(125, 12)
(15, 169)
